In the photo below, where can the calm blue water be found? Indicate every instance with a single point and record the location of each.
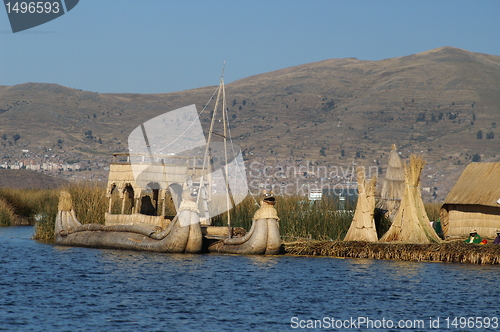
(49, 288)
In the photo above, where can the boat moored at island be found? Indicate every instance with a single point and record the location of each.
(171, 164)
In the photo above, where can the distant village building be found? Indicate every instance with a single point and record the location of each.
(33, 167)
(315, 194)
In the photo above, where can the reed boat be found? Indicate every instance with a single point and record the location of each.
(182, 235)
(170, 165)
(263, 237)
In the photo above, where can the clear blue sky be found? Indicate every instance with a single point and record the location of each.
(153, 46)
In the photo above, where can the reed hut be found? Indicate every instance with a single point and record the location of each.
(363, 225)
(393, 186)
(474, 202)
(411, 223)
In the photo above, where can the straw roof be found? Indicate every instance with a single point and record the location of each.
(363, 225)
(393, 186)
(479, 184)
(411, 223)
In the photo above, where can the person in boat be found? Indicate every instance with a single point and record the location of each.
(497, 239)
(473, 237)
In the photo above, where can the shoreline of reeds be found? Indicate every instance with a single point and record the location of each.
(445, 252)
(319, 226)
(38, 207)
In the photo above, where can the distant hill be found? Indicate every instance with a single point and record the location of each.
(28, 179)
(443, 103)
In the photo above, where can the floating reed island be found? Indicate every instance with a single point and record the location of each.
(410, 237)
(446, 252)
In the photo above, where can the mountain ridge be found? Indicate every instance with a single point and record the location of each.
(330, 112)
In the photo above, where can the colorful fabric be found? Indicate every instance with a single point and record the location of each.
(475, 239)
(497, 240)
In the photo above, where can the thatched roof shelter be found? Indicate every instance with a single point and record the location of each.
(393, 186)
(363, 225)
(411, 223)
(474, 202)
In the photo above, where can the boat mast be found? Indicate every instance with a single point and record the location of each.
(221, 91)
(224, 122)
(207, 148)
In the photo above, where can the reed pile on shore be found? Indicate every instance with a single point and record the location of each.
(363, 223)
(449, 252)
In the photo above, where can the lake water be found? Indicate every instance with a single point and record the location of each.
(44, 287)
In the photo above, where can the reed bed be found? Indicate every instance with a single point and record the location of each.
(7, 215)
(433, 210)
(449, 252)
(240, 216)
(23, 204)
(89, 202)
(299, 218)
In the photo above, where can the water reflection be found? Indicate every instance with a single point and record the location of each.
(264, 261)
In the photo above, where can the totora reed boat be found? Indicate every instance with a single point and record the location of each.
(171, 163)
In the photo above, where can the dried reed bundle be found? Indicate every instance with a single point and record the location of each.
(411, 223)
(363, 225)
(393, 186)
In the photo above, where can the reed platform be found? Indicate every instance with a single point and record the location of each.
(448, 252)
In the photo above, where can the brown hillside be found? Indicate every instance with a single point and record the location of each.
(28, 179)
(335, 113)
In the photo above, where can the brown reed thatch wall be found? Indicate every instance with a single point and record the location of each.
(472, 202)
(458, 220)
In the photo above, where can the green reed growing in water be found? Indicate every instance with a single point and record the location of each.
(299, 218)
(7, 215)
(89, 202)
